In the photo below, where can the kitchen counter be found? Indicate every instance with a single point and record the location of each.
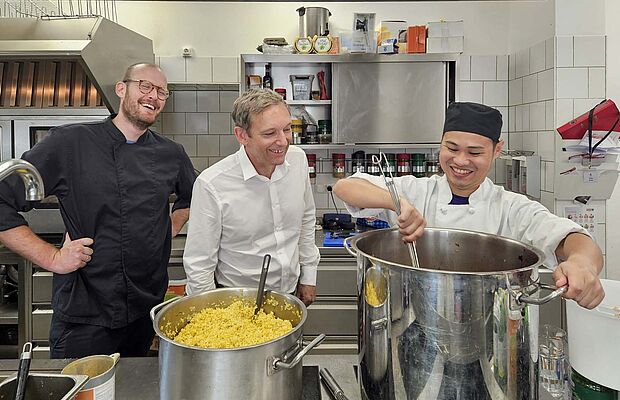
(138, 378)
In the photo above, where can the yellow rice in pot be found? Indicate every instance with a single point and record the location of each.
(231, 327)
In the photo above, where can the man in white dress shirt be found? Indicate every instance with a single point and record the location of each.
(254, 202)
(464, 198)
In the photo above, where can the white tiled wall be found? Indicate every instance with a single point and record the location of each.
(484, 79)
(201, 70)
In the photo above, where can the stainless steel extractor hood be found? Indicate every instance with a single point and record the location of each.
(73, 62)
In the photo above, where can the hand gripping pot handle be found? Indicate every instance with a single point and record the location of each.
(277, 363)
(555, 292)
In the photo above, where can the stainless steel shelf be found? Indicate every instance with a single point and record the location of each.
(362, 146)
(309, 102)
(345, 58)
(8, 314)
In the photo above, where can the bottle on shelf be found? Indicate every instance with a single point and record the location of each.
(267, 80)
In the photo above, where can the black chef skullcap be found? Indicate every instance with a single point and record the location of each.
(474, 118)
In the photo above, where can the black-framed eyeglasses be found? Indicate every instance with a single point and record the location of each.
(146, 87)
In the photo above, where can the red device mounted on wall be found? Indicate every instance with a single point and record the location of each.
(604, 117)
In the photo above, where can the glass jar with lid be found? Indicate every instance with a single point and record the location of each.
(432, 164)
(357, 162)
(339, 165)
(297, 130)
(418, 169)
(311, 134)
(403, 164)
(325, 131)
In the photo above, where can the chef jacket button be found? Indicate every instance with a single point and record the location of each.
(444, 211)
(471, 210)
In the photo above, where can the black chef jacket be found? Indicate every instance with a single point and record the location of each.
(116, 193)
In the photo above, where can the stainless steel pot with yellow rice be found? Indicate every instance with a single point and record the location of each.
(205, 351)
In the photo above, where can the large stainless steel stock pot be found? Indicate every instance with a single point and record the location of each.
(463, 326)
(271, 370)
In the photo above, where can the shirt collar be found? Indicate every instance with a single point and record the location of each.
(445, 193)
(249, 171)
(117, 135)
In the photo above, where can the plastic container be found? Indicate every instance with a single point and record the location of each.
(594, 337)
(302, 86)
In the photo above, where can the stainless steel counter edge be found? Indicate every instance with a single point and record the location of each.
(138, 378)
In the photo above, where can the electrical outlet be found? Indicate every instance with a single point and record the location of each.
(187, 52)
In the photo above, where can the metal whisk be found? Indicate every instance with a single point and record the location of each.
(389, 183)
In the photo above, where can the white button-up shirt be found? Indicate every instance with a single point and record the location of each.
(237, 216)
(491, 209)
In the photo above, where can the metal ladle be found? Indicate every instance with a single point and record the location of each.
(260, 295)
(389, 183)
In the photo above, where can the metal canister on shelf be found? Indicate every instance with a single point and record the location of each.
(297, 130)
(311, 167)
(371, 167)
(418, 168)
(432, 165)
(338, 165)
(357, 162)
(325, 131)
(403, 164)
(311, 134)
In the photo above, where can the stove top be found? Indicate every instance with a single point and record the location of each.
(311, 388)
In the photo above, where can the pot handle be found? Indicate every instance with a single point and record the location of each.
(276, 363)
(158, 307)
(555, 292)
(347, 246)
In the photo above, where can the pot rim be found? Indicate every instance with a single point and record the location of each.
(538, 252)
(294, 299)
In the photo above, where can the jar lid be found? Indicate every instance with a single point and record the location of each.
(311, 157)
(296, 122)
(325, 122)
(403, 156)
(310, 128)
(338, 155)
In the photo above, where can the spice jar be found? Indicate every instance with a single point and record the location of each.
(311, 134)
(390, 168)
(417, 165)
(403, 164)
(432, 164)
(339, 165)
(325, 131)
(281, 92)
(357, 162)
(297, 129)
(371, 167)
(311, 167)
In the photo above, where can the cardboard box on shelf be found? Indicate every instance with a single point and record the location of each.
(392, 30)
(446, 29)
(445, 44)
(416, 39)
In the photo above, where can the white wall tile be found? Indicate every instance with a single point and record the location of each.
(495, 93)
(525, 112)
(511, 118)
(564, 111)
(549, 177)
(199, 70)
(515, 91)
(483, 68)
(523, 63)
(169, 106)
(502, 68)
(545, 85)
(537, 57)
(596, 82)
(564, 46)
(530, 88)
(225, 69)
(518, 126)
(549, 53)
(537, 116)
(516, 141)
(584, 105)
(546, 145)
(173, 123)
(547, 199)
(530, 141)
(464, 66)
(228, 144)
(173, 67)
(589, 51)
(512, 66)
(504, 112)
(549, 116)
(470, 91)
(572, 83)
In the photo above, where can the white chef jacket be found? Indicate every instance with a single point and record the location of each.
(237, 216)
(491, 209)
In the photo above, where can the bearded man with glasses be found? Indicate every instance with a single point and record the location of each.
(113, 179)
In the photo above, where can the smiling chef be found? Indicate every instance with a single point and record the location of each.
(464, 198)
